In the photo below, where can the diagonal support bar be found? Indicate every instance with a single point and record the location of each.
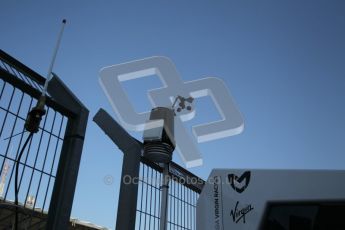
(132, 149)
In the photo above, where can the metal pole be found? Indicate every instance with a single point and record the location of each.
(66, 177)
(164, 202)
(49, 75)
(127, 206)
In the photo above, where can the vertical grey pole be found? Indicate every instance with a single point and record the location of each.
(127, 206)
(66, 177)
(164, 202)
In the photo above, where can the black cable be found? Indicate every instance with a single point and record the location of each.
(16, 186)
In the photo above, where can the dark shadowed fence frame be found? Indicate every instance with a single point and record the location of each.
(141, 187)
(49, 167)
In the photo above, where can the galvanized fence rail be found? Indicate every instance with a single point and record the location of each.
(140, 196)
(49, 167)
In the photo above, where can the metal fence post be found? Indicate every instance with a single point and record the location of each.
(132, 148)
(66, 178)
(164, 202)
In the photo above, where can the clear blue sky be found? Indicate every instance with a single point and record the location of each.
(284, 62)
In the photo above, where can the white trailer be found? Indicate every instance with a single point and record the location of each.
(272, 199)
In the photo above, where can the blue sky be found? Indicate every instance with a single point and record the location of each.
(284, 62)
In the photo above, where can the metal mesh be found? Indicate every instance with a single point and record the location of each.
(16, 72)
(149, 198)
(38, 166)
(39, 163)
(181, 201)
(182, 207)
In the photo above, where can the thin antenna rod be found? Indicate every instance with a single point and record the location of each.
(49, 76)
